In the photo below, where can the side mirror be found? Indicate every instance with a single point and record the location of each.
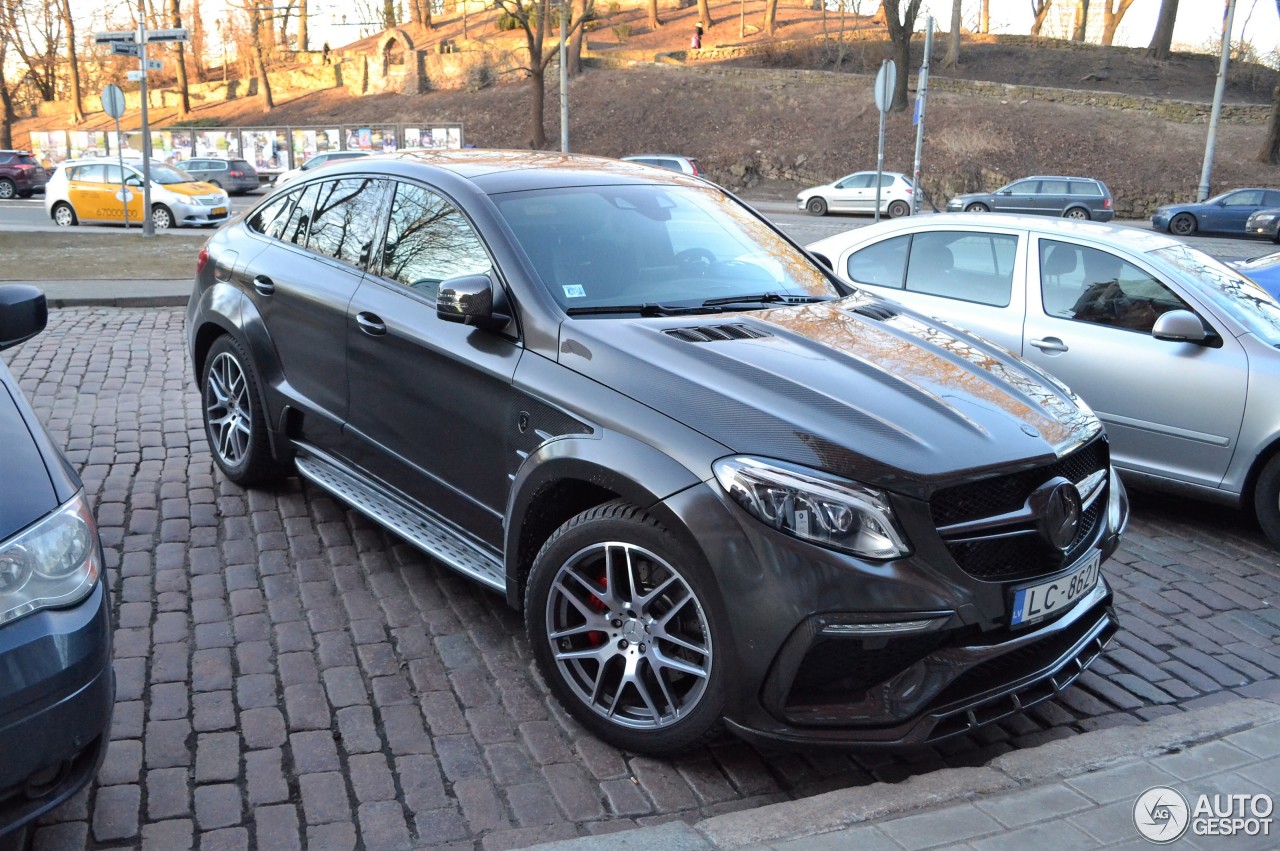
(23, 314)
(1005, 192)
(133, 181)
(473, 300)
(824, 260)
(1179, 326)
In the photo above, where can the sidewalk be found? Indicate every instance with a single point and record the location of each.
(132, 292)
(1071, 793)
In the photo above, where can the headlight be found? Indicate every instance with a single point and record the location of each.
(54, 563)
(1117, 504)
(1260, 218)
(813, 506)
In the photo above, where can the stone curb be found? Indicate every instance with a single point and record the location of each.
(844, 808)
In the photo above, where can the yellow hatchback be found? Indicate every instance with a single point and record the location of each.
(97, 190)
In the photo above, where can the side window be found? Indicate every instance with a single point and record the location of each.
(1053, 187)
(95, 173)
(428, 240)
(1271, 198)
(975, 267)
(1024, 187)
(270, 218)
(1085, 187)
(346, 218)
(295, 229)
(885, 180)
(1089, 285)
(881, 264)
(1247, 198)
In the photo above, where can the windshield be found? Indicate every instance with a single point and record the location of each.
(1246, 302)
(166, 174)
(602, 246)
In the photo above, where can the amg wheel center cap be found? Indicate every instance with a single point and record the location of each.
(1057, 505)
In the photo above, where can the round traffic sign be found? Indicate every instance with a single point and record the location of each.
(112, 100)
(886, 79)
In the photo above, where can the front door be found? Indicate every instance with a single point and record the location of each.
(1169, 408)
(432, 410)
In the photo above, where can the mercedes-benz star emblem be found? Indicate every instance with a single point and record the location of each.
(1057, 502)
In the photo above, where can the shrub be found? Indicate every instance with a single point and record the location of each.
(622, 31)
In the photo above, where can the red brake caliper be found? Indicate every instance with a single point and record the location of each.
(595, 636)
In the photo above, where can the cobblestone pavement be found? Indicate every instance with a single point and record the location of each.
(291, 676)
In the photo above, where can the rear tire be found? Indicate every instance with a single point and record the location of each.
(1078, 213)
(977, 207)
(7, 189)
(816, 206)
(235, 421)
(898, 209)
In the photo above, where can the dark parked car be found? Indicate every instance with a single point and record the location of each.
(721, 484)
(1263, 271)
(1225, 213)
(1069, 197)
(234, 175)
(1264, 223)
(20, 174)
(56, 685)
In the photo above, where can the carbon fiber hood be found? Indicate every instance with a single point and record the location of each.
(860, 387)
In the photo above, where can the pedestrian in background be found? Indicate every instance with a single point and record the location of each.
(696, 44)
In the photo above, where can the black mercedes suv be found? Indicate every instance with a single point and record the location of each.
(725, 489)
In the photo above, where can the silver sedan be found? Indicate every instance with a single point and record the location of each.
(1176, 352)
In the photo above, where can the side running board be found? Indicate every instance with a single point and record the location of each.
(424, 531)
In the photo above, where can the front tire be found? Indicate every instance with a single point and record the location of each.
(977, 207)
(234, 418)
(161, 218)
(1266, 500)
(898, 209)
(1183, 224)
(816, 206)
(624, 630)
(64, 216)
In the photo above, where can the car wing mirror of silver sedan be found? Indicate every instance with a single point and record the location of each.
(1180, 326)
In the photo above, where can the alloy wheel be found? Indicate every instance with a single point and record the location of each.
(629, 635)
(228, 410)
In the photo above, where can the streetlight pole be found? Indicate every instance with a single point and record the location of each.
(148, 227)
(1218, 90)
(566, 7)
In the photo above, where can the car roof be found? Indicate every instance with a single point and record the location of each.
(1135, 239)
(496, 171)
(653, 156)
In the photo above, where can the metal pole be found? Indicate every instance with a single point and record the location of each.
(1203, 191)
(148, 228)
(880, 152)
(565, 8)
(921, 98)
(124, 186)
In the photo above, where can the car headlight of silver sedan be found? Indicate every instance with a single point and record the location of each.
(814, 506)
(54, 563)
(1263, 218)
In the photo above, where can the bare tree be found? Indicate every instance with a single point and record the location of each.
(654, 21)
(256, 14)
(1270, 152)
(901, 22)
(1040, 9)
(704, 15)
(1112, 12)
(198, 41)
(770, 17)
(533, 16)
(34, 30)
(1162, 39)
(73, 64)
(984, 20)
(184, 94)
(1082, 20)
(952, 59)
(6, 102)
(420, 13)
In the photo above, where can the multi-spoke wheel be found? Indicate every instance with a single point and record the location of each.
(161, 218)
(622, 632)
(233, 418)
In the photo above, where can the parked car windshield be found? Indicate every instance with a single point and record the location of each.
(1248, 303)
(600, 246)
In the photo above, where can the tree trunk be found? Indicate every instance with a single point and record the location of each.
(952, 59)
(770, 16)
(6, 105)
(184, 105)
(1270, 152)
(1041, 12)
(259, 64)
(74, 66)
(1162, 39)
(984, 22)
(575, 43)
(388, 14)
(1111, 18)
(654, 22)
(900, 27)
(302, 26)
(537, 101)
(197, 42)
(704, 15)
(1082, 20)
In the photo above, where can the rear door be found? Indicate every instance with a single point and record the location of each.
(1052, 198)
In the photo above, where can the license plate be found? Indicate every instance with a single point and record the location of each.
(1036, 602)
(219, 211)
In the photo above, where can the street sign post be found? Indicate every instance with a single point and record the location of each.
(886, 79)
(124, 48)
(180, 34)
(113, 105)
(108, 37)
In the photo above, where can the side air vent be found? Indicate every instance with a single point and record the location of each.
(874, 311)
(716, 333)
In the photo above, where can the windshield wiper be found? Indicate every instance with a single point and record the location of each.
(767, 298)
(650, 309)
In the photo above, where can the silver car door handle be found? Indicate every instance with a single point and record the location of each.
(371, 324)
(1049, 344)
(263, 285)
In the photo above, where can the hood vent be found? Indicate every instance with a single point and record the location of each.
(878, 312)
(715, 333)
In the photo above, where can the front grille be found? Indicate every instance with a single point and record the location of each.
(846, 667)
(1024, 556)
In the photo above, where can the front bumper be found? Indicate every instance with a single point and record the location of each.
(1160, 221)
(55, 706)
(961, 665)
(198, 214)
(1266, 230)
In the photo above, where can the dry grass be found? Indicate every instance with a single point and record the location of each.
(67, 255)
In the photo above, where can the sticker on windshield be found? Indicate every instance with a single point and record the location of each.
(574, 291)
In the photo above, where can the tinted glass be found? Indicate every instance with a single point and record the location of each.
(1247, 198)
(167, 174)
(1090, 285)
(299, 222)
(1024, 187)
(975, 267)
(428, 241)
(1053, 187)
(882, 263)
(346, 218)
(1271, 198)
(94, 173)
(6, 158)
(242, 165)
(1085, 187)
(270, 218)
(672, 245)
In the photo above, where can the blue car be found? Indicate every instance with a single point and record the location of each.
(1263, 271)
(56, 683)
(1225, 213)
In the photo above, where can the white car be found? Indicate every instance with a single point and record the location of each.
(315, 162)
(856, 193)
(96, 189)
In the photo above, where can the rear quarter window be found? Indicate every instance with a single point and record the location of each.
(1086, 187)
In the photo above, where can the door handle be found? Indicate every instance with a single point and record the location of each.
(264, 285)
(1050, 344)
(371, 324)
